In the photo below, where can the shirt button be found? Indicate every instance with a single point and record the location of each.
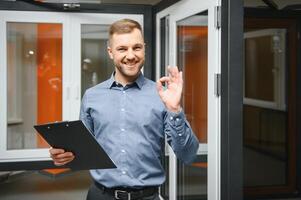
(122, 129)
(123, 92)
(177, 119)
(123, 151)
(180, 134)
(123, 172)
(171, 118)
(122, 109)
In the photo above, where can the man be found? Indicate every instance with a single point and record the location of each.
(129, 116)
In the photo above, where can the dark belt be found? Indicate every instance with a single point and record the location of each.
(128, 193)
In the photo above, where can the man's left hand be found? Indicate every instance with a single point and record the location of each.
(171, 93)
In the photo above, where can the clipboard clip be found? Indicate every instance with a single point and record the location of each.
(59, 122)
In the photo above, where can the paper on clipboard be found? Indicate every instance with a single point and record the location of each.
(75, 137)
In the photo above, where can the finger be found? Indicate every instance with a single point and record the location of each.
(63, 155)
(159, 86)
(54, 151)
(177, 72)
(62, 160)
(174, 73)
(164, 79)
(181, 77)
(61, 163)
(170, 71)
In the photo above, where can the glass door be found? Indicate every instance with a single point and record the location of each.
(192, 58)
(269, 107)
(194, 45)
(265, 109)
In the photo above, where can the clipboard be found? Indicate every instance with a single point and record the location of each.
(75, 137)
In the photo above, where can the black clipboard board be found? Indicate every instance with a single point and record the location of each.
(75, 137)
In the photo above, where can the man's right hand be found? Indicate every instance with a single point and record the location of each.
(60, 157)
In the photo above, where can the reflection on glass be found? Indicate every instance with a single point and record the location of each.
(95, 62)
(259, 68)
(264, 113)
(34, 81)
(192, 53)
(264, 68)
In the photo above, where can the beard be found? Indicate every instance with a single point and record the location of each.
(128, 71)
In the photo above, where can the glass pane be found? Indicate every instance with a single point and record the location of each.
(259, 67)
(265, 129)
(192, 53)
(34, 81)
(96, 66)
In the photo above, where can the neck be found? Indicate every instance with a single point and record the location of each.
(124, 80)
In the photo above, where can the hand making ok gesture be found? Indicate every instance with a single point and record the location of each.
(172, 92)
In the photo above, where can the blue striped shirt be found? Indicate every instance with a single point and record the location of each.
(130, 123)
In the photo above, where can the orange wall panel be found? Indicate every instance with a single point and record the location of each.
(49, 72)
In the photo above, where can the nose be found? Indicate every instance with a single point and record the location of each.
(130, 54)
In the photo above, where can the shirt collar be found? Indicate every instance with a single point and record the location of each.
(139, 81)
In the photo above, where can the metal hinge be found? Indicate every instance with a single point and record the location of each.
(217, 85)
(218, 17)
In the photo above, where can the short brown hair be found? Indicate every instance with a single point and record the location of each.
(123, 26)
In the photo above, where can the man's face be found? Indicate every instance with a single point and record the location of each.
(128, 53)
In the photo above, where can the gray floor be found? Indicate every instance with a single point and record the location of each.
(37, 186)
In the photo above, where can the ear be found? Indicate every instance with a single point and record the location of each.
(109, 49)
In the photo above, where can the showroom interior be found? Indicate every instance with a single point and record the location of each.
(240, 62)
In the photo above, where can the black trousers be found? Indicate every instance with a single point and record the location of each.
(96, 193)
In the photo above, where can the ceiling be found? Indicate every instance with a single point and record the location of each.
(145, 2)
(279, 4)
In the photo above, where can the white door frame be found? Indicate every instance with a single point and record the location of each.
(176, 12)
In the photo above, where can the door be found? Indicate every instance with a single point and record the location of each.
(47, 61)
(190, 37)
(269, 107)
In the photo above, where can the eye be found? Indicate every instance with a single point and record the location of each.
(137, 48)
(121, 49)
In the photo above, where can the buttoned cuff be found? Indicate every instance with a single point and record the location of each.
(176, 120)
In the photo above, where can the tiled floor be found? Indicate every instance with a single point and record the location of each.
(37, 186)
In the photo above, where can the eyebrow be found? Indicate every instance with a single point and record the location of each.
(124, 46)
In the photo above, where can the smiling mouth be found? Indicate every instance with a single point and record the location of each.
(131, 64)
